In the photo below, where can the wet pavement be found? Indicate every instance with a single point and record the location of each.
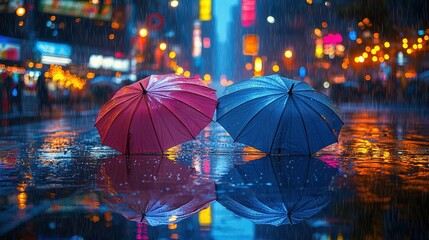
(58, 182)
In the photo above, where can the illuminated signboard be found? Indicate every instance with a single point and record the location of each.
(248, 13)
(78, 9)
(54, 49)
(109, 63)
(196, 40)
(251, 44)
(205, 10)
(10, 49)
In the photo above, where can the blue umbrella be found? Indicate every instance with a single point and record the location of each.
(277, 190)
(279, 116)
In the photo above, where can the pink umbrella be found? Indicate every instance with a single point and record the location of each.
(156, 113)
(153, 189)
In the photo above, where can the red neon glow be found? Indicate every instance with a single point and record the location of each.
(332, 38)
(248, 13)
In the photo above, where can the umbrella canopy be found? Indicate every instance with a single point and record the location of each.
(153, 189)
(279, 115)
(156, 113)
(277, 190)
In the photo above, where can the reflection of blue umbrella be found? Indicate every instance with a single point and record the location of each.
(279, 115)
(277, 190)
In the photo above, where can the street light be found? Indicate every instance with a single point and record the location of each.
(20, 11)
(288, 54)
(163, 46)
(143, 32)
(174, 3)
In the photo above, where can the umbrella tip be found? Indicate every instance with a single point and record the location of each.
(144, 90)
(290, 89)
(143, 216)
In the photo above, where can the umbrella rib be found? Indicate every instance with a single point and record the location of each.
(153, 124)
(159, 92)
(179, 100)
(111, 109)
(332, 108)
(183, 124)
(253, 117)
(241, 104)
(324, 120)
(303, 123)
(185, 83)
(124, 102)
(277, 128)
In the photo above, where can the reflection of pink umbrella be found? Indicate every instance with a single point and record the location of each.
(153, 189)
(156, 113)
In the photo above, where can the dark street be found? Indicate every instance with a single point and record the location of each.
(373, 183)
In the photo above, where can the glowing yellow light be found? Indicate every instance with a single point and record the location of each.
(365, 55)
(409, 51)
(405, 45)
(386, 44)
(359, 40)
(414, 46)
(356, 59)
(205, 217)
(143, 32)
(377, 48)
(20, 11)
(172, 218)
(163, 46)
(258, 64)
(30, 64)
(319, 52)
(419, 40)
(174, 3)
(361, 59)
(386, 56)
(22, 200)
(404, 40)
(172, 226)
(275, 68)
(368, 48)
(172, 54)
(111, 36)
(373, 51)
(187, 74)
(310, 1)
(374, 58)
(207, 77)
(317, 32)
(90, 75)
(288, 54)
(179, 70)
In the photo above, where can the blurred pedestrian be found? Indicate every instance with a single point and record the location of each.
(19, 90)
(8, 89)
(43, 94)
